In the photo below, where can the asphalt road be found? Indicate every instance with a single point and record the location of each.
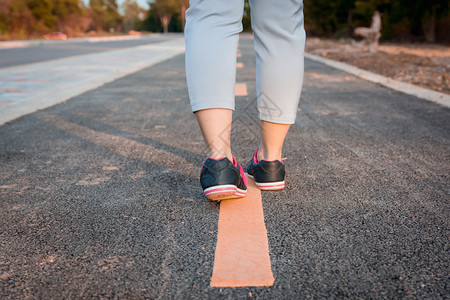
(100, 195)
(61, 49)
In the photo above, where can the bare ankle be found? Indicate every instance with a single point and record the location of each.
(218, 154)
(263, 154)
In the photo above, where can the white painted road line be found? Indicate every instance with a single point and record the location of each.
(34, 43)
(28, 88)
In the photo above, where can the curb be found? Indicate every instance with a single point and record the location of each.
(400, 86)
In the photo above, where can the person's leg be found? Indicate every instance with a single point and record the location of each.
(212, 35)
(216, 129)
(279, 40)
(272, 139)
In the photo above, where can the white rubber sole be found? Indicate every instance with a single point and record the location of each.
(269, 186)
(223, 192)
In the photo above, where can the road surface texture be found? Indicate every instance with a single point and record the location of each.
(100, 195)
(62, 49)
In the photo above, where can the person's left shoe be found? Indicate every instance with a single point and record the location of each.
(268, 175)
(222, 179)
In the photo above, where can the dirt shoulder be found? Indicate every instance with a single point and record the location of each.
(423, 65)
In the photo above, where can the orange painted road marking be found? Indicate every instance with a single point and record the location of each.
(239, 65)
(242, 251)
(240, 89)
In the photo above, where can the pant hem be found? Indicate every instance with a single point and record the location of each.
(278, 120)
(197, 107)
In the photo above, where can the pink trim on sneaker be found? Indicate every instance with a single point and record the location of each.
(244, 178)
(234, 161)
(255, 156)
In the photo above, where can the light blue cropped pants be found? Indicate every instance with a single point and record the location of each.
(212, 35)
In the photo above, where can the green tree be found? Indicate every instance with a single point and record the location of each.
(4, 22)
(36, 17)
(68, 14)
(246, 18)
(105, 14)
(131, 12)
(42, 11)
(423, 16)
(320, 17)
(152, 22)
(63, 8)
(184, 5)
(165, 9)
(21, 18)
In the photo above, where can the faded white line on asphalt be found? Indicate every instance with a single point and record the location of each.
(36, 86)
(34, 43)
(400, 86)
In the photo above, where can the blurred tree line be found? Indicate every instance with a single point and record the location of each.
(20, 18)
(33, 18)
(415, 20)
(427, 20)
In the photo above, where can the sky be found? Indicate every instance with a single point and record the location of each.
(142, 3)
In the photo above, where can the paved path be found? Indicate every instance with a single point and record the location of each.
(27, 88)
(27, 52)
(100, 194)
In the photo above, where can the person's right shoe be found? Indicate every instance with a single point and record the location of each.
(268, 175)
(222, 179)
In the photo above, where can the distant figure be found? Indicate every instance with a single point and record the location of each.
(371, 34)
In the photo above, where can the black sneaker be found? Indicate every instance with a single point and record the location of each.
(221, 179)
(268, 175)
